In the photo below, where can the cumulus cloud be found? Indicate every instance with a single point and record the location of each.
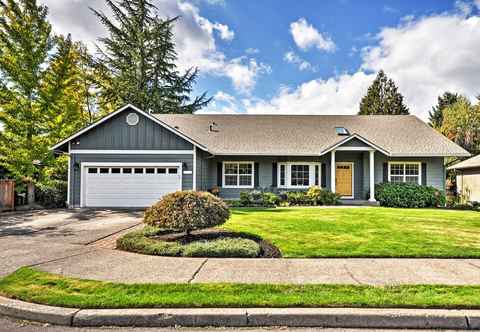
(465, 8)
(194, 36)
(306, 36)
(293, 58)
(425, 57)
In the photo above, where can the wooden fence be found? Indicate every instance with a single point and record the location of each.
(7, 195)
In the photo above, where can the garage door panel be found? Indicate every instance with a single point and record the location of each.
(109, 189)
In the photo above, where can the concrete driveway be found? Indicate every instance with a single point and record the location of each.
(30, 238)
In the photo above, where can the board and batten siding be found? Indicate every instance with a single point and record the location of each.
(117, 134)
(75, 174)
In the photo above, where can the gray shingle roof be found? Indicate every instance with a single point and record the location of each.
(469, 163)
(311, 134)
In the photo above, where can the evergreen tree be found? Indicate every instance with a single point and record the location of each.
(436, 114)
(138, 59)
(382, 98)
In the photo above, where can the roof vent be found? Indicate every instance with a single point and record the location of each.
(213, 127)
(341, 131)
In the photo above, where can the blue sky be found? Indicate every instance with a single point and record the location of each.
(309, 56)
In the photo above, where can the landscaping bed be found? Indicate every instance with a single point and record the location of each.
(203, 243)
(30, 285)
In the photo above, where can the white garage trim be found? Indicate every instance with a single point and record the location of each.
(93, 151)
(85, 165)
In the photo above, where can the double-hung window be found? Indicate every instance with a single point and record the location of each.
(238, 174)
(404, 172)
(298, 175)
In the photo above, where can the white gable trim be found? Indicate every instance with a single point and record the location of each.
(105, 118)
(349, 138)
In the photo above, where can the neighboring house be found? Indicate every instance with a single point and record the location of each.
(468, 178)
(131, 158)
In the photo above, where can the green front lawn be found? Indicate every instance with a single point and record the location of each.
(363, 232)
(39, 287)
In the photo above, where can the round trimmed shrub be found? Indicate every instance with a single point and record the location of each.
(185, 211)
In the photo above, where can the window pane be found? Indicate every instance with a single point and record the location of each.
(92, 170)
(103, 170)
(245, 180)
(231, 168)
(300, 175)
(115, 170)
(138, 171)
(127, 171)
(396, 169)
(230, 180)
(173, 170)
(396, 179)
(411, 169)
(161, 170)
(411, 179)
(282, 175)
(245, 168)
(149, 170)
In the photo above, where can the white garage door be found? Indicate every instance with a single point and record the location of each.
(129, 186)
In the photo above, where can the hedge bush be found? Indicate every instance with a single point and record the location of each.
(140, 242)
(257, 198)
(52, 195)
(185, 211)
(408, 195)
(319, 196)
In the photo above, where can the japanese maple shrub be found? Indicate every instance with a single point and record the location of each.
(186, 211)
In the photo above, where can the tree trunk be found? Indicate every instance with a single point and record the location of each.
(31, 193)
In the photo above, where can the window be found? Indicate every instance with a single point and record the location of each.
(92, 170)
(404, 172)
(161, 170)
(299, 175)
(138, 171)
(127, 171)
(173, 170)
(149, 170)
(238, 174)
(115, 170)
(104, 170)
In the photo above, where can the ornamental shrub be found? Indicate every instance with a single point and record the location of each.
(223, 247)
(51, 195)
(408, 195)
(297, 198)
(270, 199)
(185, 211)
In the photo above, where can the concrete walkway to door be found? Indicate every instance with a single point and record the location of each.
(79, 243)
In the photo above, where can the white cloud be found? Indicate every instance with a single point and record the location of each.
(194, 36)
(465, 8)
(302, 64)
(306, 36)
(425, 57)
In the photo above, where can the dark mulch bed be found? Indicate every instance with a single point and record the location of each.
(268, 250)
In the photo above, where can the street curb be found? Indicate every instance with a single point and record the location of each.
(248, 317)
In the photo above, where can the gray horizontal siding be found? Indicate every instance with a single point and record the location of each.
(75, 175)
(116, 134)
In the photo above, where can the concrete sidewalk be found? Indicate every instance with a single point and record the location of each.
(119, 266)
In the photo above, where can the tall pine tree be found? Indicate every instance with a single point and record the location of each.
(436, 114)
(382, 98)
(139, 58)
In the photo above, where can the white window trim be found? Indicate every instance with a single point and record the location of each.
(352, 165)
(406, 163)
(288, 172)
(238, 175)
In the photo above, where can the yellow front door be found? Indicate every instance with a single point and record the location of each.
(343, 180)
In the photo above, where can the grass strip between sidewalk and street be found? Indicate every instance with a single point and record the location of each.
(35, 286)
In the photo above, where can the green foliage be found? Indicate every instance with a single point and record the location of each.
(297, 198)
(223, 247)
(185, 211)
(138, 60)
(436, 114)
(270, 199)
(258, 198)
(140, 242)
(53, 195)
(408, 195)
(319, 196)
(461, 124)
(382, 98)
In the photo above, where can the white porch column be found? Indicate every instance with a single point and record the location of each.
(332, 172)
(372, 177)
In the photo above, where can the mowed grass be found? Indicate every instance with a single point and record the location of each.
(363, 232)
(39, 287)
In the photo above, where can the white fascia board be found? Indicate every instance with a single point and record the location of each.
(93, 151)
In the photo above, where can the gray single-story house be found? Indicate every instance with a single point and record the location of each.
(468, 179)
(130, 158)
